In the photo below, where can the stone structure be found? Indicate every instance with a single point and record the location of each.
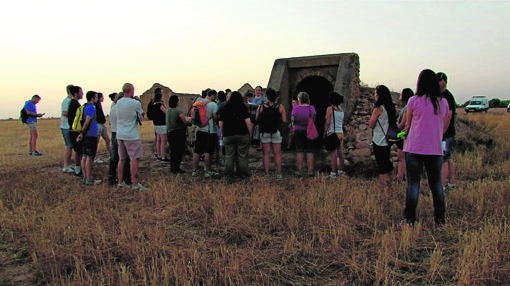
(185, 98)
(317, 75)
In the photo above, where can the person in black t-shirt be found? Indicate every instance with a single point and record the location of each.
(236, 128)
(448, 171)
(101, 128)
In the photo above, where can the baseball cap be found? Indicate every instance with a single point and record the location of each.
(441, 76)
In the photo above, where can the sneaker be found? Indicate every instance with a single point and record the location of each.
(332, 175)
(279, 177)
(98, 161)
(298, 174)
(92, 182)
(77, 171)
(164, 160)
(122, 185)
(211, 174)
(405, 223)
(68, 169)
(450, 186)
(35, 153)
(139, 188)
(339, 172)
(195, 173)
(266, 177)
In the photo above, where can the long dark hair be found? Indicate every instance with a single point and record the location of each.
(236, 101)
(384, 98)
(428, 86)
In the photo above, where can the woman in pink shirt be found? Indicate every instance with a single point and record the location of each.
(427, 117)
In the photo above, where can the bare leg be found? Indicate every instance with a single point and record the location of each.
(134, 171)
(277, 153)
(310, 162)
(299, 161)
(266, 160)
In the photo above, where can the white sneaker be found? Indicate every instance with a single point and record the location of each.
(332, 175)
(211, 174)
(339, 172)
(98, 161)
(68, 169)
(140, 188)
(92, 182)
(122, 185)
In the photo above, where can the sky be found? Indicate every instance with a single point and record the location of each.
(195, 44)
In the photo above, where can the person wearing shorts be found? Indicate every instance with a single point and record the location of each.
(300, 115)
(206, 137)
(64, 128)
(88, 136)
(31, 111)
(101, 128)
(129, 112)
(268, 138)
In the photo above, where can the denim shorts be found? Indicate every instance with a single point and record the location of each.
(275, 138)
(67, 138)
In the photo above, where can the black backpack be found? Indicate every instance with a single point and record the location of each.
(150, 109)
(23, 115)
(270, 118)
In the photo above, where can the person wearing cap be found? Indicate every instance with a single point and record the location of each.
(448, 170)
(31, 111)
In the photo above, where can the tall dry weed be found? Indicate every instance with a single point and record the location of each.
(188, 231)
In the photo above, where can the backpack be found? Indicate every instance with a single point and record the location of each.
(270, 118)
(79, 120)
(200, 114)
(23, 115)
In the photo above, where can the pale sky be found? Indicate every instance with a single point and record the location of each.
(191, 45)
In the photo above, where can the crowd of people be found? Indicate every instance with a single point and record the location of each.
(226, 123)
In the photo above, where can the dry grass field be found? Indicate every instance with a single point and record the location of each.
(302, 231)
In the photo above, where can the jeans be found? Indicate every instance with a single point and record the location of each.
(177, 142)
(414, 167)
(236, 150)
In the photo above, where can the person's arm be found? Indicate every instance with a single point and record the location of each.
(184, 119)
(327, 122)
(408, 118)
(259, 110)
(375, 115)
(446, 120)
(86, 124)
(284, 114)
(402, 123)
(249, 125)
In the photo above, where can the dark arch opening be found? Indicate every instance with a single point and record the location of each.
(318, 88)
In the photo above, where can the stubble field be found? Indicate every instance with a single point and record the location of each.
(188, 231)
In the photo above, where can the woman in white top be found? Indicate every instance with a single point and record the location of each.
(383, 116)
(334, 124)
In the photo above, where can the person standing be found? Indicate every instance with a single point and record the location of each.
(270, 116)
(114, 152)
(101, 128)
(401, 123)
(383, 116)
(64, 128)
(300, 115)
(206, 137)
(129, 114)
(448, 170)
(427, 117)
(236, 126)
(334, 124)
(31, 111)
(89, 137)
(77, 94)
(176, 125)
(158, 116)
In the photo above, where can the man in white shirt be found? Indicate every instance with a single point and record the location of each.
(64, 127)
(129, 114)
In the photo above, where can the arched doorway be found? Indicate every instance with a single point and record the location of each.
(318, 88)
